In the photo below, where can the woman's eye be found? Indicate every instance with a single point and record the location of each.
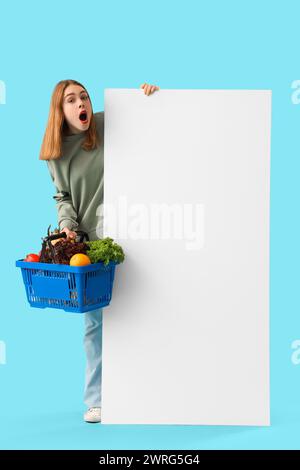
(84, 97)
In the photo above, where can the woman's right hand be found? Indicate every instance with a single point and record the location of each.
(70, 233)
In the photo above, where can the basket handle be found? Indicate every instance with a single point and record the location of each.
(82, 235)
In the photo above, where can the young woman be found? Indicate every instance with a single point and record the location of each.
(73, 147)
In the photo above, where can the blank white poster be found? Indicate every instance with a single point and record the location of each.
(187, 185)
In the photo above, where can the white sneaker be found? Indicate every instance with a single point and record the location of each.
(93, 415)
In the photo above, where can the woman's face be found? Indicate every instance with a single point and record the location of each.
(77, 108)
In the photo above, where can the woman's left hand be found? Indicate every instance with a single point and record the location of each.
(149, 88)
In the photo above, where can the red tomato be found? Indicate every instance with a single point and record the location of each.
(32, 257)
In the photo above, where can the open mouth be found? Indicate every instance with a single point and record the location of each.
(83, 117)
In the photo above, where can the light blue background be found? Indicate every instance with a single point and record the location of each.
(116, 44)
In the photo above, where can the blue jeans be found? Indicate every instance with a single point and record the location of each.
(93, 350)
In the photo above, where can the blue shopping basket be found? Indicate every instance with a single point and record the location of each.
(75, 289)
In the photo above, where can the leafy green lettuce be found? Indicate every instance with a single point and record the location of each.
(105, 250)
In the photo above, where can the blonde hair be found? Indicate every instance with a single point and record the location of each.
(51, 148)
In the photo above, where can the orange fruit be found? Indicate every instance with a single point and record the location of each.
(80, 259)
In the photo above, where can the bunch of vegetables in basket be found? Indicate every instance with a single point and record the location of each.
(57, 249)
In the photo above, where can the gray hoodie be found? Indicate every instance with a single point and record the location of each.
(79, 180)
